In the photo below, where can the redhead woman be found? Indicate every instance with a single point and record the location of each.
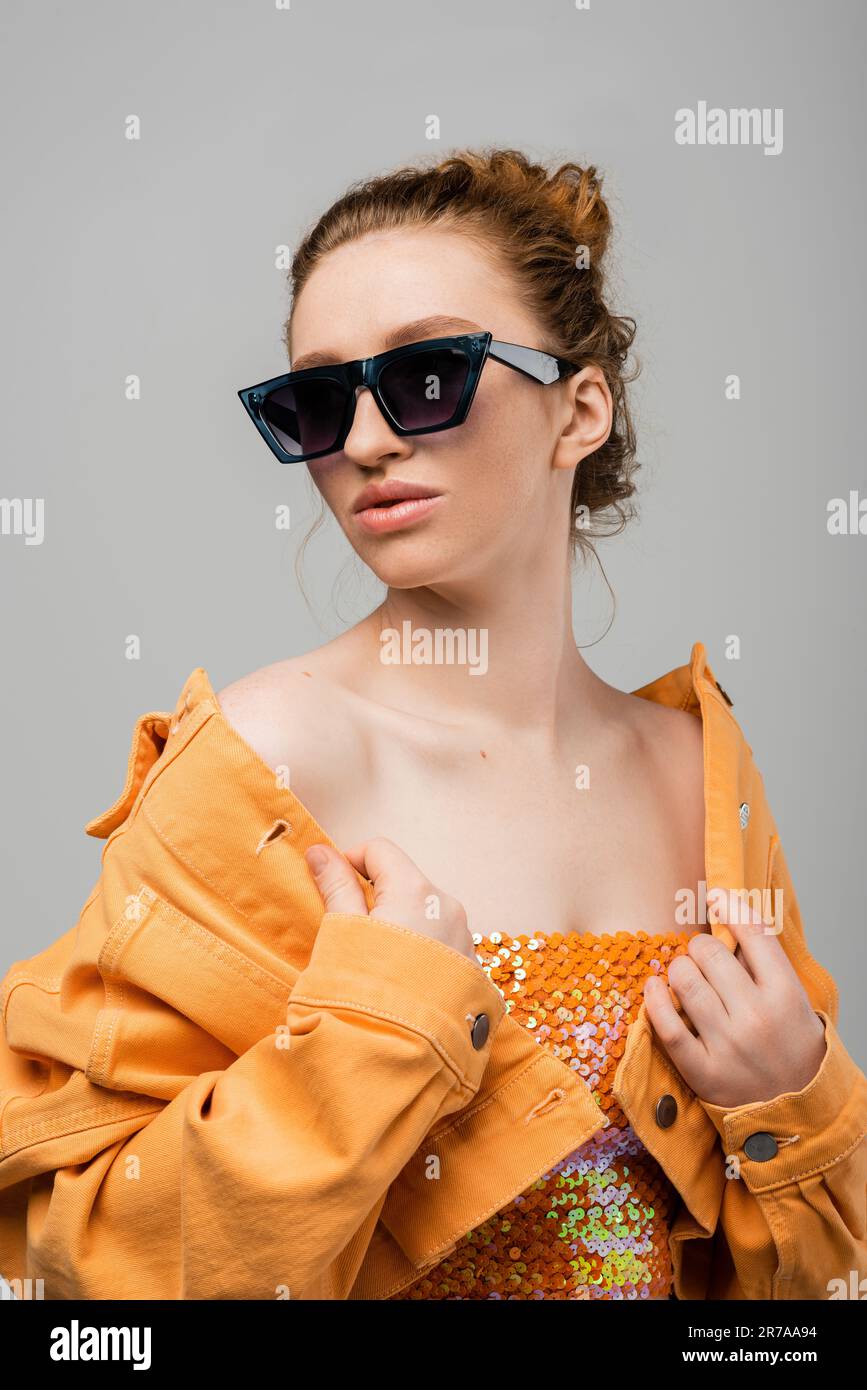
(520, 1058)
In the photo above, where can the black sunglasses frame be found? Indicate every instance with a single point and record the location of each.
(366, 371)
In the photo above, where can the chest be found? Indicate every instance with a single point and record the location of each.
(528, 849)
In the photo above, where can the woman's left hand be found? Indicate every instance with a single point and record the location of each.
(757, 1035)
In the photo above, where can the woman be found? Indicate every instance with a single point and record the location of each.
(458, 394)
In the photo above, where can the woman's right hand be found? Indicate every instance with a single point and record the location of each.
(402, 894)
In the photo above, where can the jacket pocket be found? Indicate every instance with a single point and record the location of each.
(178, 1000)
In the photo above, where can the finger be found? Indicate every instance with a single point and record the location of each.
(355, 855)
(389, 869)
(698, 999)
(687, 1052)
(757, 940)
(725, 974)
(340, 889)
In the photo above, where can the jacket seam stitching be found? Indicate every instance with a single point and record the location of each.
(162, 835)
(229, 955)
(222, 950)
(48, 984)
(109, 1015)
(24, 1137)
(478, 975)
(103, 1033)
(468, 1114)
(454, 1066)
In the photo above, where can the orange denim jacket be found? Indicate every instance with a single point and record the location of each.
(209, 1088)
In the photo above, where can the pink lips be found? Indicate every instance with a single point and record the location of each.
(394, 516)
(394, 503)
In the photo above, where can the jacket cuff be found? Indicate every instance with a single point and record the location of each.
(415, 982)
(814, 1128)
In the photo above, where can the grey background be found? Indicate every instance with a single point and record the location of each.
(157, 257)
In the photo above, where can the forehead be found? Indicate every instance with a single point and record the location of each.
(362, 292)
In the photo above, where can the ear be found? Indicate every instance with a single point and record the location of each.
(588, 417)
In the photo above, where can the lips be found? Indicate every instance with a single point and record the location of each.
(389, 493)
(387, 514)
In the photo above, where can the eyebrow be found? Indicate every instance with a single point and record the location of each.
(436, 326)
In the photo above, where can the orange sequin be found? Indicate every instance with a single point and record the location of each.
(595, 1226)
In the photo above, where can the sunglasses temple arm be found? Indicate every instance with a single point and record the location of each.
(531, 362)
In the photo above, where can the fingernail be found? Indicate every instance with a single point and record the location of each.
(317, 858)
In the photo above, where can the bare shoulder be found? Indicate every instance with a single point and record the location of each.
(672, 731)
(673, 738)
(292, 714)
(671, 748)
(669, 751)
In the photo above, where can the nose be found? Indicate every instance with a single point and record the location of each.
(370, 434)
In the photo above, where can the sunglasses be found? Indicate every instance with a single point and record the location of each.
(421, 388)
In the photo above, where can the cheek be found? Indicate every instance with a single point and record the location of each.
(331, 480)
(503, 449)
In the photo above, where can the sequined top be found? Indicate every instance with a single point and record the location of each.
(596, 1225)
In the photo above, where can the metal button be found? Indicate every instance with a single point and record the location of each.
(480, 1030)
(666, 1111)
(744, 814)
(760, 1147)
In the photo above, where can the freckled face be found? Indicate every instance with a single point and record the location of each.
(496, 495)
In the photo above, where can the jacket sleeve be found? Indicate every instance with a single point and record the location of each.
(265, 1179)
(795, 1222)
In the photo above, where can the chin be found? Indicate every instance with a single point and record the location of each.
(409, 576)
(408, 566)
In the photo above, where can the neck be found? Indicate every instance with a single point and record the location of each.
(503, 657)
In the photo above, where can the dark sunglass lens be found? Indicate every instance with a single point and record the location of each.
(305, 417)
(424, 388)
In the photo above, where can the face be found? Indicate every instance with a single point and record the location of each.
(499, 484)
